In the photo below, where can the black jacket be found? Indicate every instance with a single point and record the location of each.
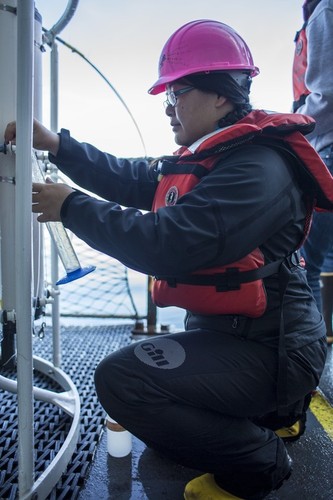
(253, 200)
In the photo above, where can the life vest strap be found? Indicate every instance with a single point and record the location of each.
(169, 167)
(232, 278)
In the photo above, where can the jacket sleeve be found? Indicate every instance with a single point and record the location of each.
(243, 203)
(127, 182)
(319, 73)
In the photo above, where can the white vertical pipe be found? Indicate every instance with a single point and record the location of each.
(38, 247)
(23, 275)
(54, 253)
(66, 17)
(8, 54)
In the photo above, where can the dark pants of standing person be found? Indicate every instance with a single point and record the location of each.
(194, 397)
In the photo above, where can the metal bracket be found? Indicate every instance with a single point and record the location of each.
(8, 316)
(8, 8)
(4, 148)
(9, 180)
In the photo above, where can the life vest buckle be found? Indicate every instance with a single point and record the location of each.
(293, 260)
(229, 280)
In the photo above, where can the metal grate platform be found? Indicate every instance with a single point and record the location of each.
(82, 349)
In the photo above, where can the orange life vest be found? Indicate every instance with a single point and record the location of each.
(236, 288)
(301, 58)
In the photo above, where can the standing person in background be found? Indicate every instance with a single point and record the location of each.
(313, 96)
(326, 278)
(218, 224)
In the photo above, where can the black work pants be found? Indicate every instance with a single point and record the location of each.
(194, 396)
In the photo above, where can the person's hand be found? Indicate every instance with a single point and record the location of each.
(43, 138)
(47, 200)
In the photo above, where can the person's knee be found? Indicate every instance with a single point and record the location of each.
(110, 380)
(99, 375)
(118, 379)
(102, 376)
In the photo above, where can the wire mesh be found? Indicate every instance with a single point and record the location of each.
(105, 293)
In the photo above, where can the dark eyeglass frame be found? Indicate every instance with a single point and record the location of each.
(171, 97)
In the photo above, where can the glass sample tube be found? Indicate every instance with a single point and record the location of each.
(60, 238)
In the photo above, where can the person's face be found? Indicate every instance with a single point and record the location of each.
(195, 114)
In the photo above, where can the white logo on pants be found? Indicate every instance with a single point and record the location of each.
(160, 353)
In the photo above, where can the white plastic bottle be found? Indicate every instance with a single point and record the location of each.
(119, 440)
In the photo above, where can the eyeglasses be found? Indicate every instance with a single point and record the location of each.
(171, 99)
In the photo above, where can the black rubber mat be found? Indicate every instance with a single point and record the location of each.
(82, 349)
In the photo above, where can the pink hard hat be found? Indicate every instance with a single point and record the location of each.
(202, 46)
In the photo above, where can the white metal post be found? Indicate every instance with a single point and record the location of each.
(23, 254)
(8, 55)
(38, 229)
(54, 252)
(50, 36)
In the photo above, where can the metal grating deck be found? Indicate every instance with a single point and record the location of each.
(82, 349)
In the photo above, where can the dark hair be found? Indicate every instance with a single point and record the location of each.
(221, 82)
